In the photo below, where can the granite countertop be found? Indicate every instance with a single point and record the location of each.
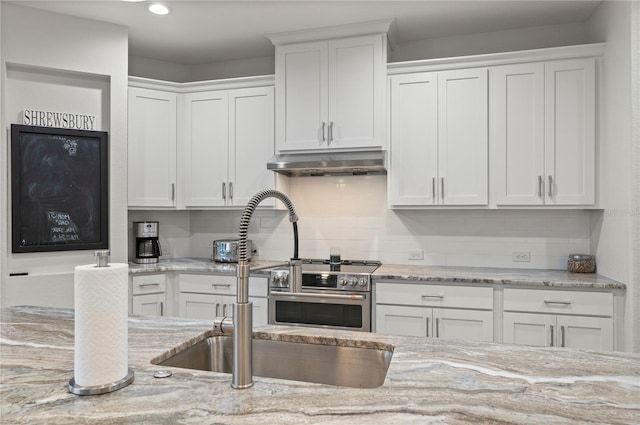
(429, 381)
(495, 276)
(412, 273)
(198, 265)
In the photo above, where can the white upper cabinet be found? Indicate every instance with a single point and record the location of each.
(201, 145)
(330, 94)
(543, 132)
(414, 139)
(517, 132)
(228, 141)
(570, 132)
(439, 147)
(152, 148)
(251, 143)
(462, 137)
(206, 148)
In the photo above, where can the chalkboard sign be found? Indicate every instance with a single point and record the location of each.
(59, 189)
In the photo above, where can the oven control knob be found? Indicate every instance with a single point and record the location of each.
(353, 281)
(362, 282)
(343, 281)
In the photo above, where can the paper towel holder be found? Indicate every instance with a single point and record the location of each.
(100, 389)
(102, 260)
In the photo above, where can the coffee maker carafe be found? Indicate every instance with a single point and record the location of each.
(148, 248)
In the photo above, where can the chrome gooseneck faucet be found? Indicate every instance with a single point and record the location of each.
(242, 324)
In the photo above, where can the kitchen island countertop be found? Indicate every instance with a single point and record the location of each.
(429, 381)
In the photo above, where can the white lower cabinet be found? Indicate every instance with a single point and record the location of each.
(448, 312)
(559, 319)
(149, 296)
(206, 296)
(435, 322)
(149, 305)
(593, 333)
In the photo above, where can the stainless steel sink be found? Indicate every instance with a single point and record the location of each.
(324, 364)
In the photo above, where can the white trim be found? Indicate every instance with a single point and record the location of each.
(491, 59)
(197, 86)
(634, 314)
(339, 31)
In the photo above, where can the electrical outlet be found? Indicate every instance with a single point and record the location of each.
(416, 255)
(521, 257)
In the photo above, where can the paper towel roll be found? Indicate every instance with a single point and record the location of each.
(101, 329)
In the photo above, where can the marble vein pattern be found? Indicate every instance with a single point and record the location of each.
(495, 276)
(411, 273)
(429, 381)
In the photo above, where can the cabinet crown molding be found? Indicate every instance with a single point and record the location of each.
(339, 31)
(199, 86)
(502, 58)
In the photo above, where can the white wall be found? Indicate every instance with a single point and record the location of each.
(159, 70)
(56, 62)
(491, 42)
(614, 230)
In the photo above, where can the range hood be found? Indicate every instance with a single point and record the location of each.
(329, 163)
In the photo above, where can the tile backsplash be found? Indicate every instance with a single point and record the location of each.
(351, 213)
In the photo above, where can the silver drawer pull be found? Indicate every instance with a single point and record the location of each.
(142, 285)
(557, 302)
(440, 297)
(224, 285)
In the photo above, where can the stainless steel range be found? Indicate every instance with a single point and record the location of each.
(332, 296)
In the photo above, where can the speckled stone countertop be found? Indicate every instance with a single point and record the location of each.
(495, 276)
(198, 265)
(412, 273)
(429, 381)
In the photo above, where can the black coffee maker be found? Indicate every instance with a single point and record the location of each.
(148, 248)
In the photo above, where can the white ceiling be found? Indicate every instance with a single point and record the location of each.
(201, 32)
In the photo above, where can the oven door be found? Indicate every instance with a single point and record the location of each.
(324, 309)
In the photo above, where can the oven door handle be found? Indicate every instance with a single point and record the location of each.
(353, 297)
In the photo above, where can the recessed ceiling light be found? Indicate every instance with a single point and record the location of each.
(158, 9)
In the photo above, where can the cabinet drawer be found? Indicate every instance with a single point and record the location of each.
(564, 302)
(149, 284)
(434, 295)
(208, 284)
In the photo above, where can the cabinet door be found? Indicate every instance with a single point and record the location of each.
(251, 143)
(517, 133)
(414, 139)
(149, 304)
(401, 320)
(356, 92)
(589, 333)
(260, 311)
(570, 132)
(529, 329)
(151, 148)
(301, 98)
(206, 148)
(462, 137)
(205, 306)
(469, 325)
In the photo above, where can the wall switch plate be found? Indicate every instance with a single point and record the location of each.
(521, 257)
(416, 255)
